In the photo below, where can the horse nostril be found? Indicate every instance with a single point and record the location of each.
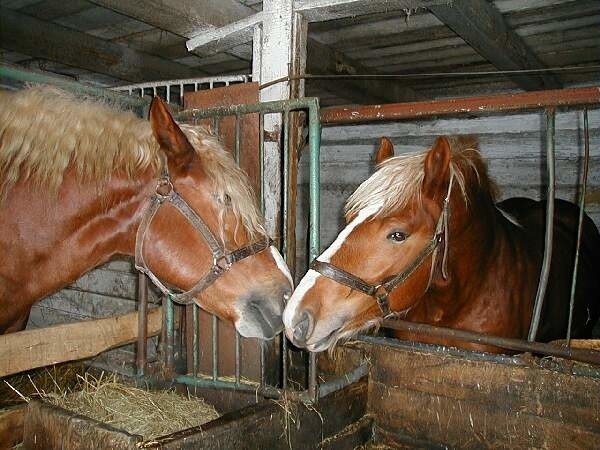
(303, 328)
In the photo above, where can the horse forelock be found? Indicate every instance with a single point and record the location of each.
(45, 130)
(398, 180)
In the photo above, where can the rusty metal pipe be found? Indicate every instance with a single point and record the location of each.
(582, 355)
(489, 103)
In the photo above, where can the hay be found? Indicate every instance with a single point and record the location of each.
(138, 411)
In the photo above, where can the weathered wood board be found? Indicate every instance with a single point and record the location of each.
(265, 425)
(30, 349)
(429, 398)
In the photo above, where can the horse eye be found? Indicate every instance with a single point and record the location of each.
(397, 236)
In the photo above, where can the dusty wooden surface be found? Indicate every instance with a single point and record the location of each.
(433, 399)
(11, 426)
(51, 427)
(42, 347)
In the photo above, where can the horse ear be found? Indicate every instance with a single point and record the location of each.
(437, 165)
(166, 131)
(385, 151)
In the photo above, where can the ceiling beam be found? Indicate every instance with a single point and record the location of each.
(483, 27)
(28, 35)
(188, 17)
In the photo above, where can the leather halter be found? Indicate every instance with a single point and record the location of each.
(381, 291)
(222, 259)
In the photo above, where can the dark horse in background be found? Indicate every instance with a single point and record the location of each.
(426, 240)
(78, 180)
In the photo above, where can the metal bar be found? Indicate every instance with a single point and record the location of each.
(345, 380)
(169, 332)
(266, 391)
(587, 356)
(306, 103)
(545, 271)
(168, 93)
(190, 333)
(196, 338)
(261, 160)
(215, 347)
(21, 74)
(182, 81)
(263, 365)
(237, 358)
(286, 188)
(314, 139)
(491, 103)
(313, 388)
(586, 163)
(237, 138)
(141, 354)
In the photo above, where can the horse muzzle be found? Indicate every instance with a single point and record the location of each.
(260, 312)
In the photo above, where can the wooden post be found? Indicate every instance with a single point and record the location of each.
(282, 45)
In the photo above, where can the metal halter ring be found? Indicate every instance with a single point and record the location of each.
(221, 263)
(381, 292)
(164, 187)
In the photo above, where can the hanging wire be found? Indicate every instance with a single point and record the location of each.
(391, 76)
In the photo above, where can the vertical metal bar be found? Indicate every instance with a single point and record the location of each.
(181, 89)
(314, 140)
(262, 363)
(141, 355)
(284, 361)
(216, 121)
(286, 174)
(195, 87)
(154, 91)
(210, 85)
(169, 332)
(196, 338)
(169, 93)
(261, 159)
(190, 333)
(545, 271)
(586, 162)
(215, 347)
(238, 345)
(237, 138)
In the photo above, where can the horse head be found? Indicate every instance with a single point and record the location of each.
(203, 234)
(391, 252)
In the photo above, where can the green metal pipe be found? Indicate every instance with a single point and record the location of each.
(140, 104)
(314, 183)
(169, 331)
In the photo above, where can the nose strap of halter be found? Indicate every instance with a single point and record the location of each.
(222, 260)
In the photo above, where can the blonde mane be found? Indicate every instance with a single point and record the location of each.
(44, 131)
(398, 180)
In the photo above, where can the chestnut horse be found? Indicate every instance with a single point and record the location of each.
(425, 240)
(81, 183)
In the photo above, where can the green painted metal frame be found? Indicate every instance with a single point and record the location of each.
(284, 107)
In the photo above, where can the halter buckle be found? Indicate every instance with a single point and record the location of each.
(221, 263)
(164, 187)
(381, 292)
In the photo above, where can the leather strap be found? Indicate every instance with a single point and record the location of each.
(222, 260)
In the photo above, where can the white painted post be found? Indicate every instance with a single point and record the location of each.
(278, 42)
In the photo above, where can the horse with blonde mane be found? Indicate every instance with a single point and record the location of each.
(426, 241)
(82, 183)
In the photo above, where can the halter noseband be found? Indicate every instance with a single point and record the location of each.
(381, 291)
(222, 259)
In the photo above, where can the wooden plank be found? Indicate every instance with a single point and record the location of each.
(42, 347)
(11, 426)
(274, 425)
(51, 427)
(483, 27)
(83, 50)
(323, 10)
(211, 42)
(470, 403)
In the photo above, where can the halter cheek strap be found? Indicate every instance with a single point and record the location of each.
(222, 259)
(381, 291)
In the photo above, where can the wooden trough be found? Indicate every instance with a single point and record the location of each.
(338, 421)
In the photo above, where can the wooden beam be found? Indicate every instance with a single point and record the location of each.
(483, 27)
(39, 39)
(189, 18)
(30, 349)
(324, 60)
(322, 10)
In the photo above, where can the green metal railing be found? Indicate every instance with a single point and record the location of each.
(284, 108)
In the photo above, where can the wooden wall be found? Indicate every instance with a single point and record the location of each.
(103, 292)
(512, 145)
(433, 399)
